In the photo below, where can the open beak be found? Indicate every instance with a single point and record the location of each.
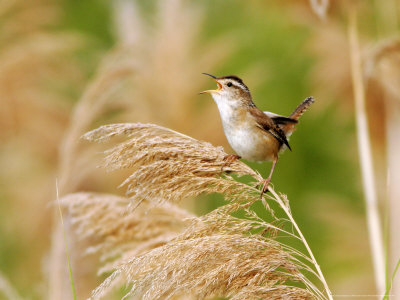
(212, 91)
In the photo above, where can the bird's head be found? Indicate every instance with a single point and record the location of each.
(231, 89)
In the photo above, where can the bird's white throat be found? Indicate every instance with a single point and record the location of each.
(227, 107)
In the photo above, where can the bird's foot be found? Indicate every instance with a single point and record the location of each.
(264, 187)
(228, 160)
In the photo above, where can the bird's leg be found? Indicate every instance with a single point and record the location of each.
(266, 182)
(228, 160)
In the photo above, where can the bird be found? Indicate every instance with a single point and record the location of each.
(253, 134)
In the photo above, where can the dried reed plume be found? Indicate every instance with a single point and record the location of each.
(213, 255)
(218, 258)
(103, 218)
(169, 166)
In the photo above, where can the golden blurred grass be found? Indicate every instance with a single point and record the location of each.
(150, 75)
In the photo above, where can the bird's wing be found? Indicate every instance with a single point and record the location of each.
(280, 120)
(265, 122)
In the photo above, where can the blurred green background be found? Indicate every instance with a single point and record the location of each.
(51, 51)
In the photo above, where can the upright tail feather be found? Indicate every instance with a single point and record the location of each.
(298, 112)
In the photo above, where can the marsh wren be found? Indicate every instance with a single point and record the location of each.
(253, 134)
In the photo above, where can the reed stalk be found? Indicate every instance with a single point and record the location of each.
(365, 154)
(287, 211)
(393, 190)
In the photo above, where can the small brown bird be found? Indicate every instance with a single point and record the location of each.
(253, 134)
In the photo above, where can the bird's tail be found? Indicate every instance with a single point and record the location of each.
(299, 111)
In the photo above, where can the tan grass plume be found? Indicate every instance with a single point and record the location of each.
(112, 231)
(215, 255)
(168, 165)
(217, 263)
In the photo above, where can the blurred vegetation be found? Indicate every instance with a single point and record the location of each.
(283, 51)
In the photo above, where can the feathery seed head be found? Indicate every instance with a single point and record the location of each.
(162, 252)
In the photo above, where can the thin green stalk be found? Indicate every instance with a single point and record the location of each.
(71, 279)
(390, 283)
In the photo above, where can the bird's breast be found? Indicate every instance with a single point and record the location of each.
(248, 140)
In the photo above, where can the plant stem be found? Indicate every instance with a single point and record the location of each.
(364, 149)
(71, 279)
(393, 188)
(289, 214)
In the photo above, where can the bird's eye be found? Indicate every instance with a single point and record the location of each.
(229, 84)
